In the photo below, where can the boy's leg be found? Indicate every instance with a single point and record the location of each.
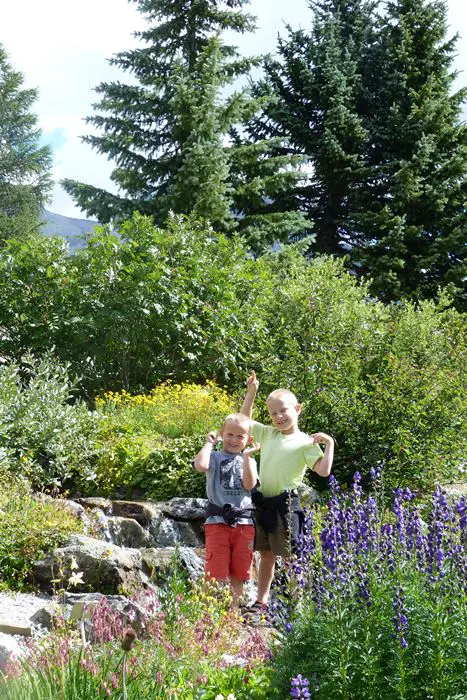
(267, 564)
(242, 541)
(237, 589)
(217, 561)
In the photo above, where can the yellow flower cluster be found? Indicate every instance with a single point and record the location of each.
(171, 409)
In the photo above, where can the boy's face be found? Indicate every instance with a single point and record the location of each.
(284, 414)
(234, 437)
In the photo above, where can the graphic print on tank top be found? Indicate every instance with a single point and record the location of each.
(230, 479)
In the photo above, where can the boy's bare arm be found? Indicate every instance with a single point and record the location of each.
(250, 471)
(201, 461)
(323, 465)
(252, 385)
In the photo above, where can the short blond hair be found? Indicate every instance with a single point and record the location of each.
(238, 418)
(283, 394)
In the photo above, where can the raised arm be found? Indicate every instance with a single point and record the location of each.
(250, 470)
(323, 465)
(201, 461)
(252, 385)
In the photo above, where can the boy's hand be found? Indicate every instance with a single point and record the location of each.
(322, 438)
(252, 383)
(213, 438)
(252, 449)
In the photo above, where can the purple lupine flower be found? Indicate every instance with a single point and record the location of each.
(300, 687)
(400, 618)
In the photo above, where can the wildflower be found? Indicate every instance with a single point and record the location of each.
(300, 687)
(76, 578)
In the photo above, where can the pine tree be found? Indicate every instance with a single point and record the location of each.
(317, 88)
(413, 211)
(367, 101)
(24, 165)
(173, 135)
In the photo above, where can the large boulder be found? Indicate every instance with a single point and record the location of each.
(173, 532)
(186, 508)
(126, 532)
(105, 566)
(159, 561)
(10, 650)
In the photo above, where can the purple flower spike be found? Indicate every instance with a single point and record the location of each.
(300, 687)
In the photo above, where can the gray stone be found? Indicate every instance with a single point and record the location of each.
(174, 532)
(126, 532)
(105, 566)
(141, 511)
(308, 495)
(158, 561)
(186, 508)
(96, 502)
(10, 649)
(21, 630)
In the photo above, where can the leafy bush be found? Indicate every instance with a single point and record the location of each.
(46, 438)
(30, 526)
(388, 382)
(150, 440)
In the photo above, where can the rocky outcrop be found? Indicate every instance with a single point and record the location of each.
(134, 545)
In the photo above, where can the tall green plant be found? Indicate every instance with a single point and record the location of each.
(24, 164)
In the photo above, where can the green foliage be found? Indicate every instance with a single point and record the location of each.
(365, 98)
(387, 382)
(44, 436)
(30, 526)
(175, 135)
(130, 311)
(149, 441)
(24, 165)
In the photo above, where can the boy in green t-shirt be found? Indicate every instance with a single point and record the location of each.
(286, 453)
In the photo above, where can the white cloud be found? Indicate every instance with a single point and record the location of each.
(63, 48)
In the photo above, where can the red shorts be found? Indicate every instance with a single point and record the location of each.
(229, 551)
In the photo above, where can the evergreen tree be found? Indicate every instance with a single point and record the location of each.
(367, 100)
(315, 95)
(169, 134)
(24, 165)
(413, 209)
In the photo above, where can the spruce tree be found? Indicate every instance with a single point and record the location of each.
(314, 88)
(413, 209)
(366, 100)
(24, 165)
(173, 134)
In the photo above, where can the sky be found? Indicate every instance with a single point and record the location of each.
(62, 48)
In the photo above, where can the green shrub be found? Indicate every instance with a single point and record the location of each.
(388, 382)
(30, 526)
(149, 440)
(45, 437)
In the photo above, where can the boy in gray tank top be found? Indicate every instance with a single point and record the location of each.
(230, 475)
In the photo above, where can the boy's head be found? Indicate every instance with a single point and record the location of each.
(235, 432)
(284, 410)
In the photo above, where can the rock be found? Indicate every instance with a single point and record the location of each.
(103, 504)
(126, 532)
(186, 508)
(20, 630)
(10, 649)
(158, 561)
(173, 532)
(105, 566)
(141, 511)
(308, 495)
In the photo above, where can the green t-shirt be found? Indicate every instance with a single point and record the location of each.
(284, 458)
